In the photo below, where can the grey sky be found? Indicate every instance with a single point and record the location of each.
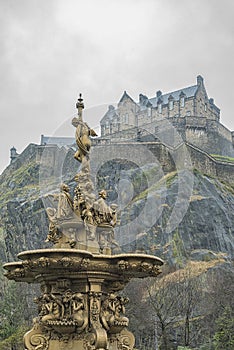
(53, 49)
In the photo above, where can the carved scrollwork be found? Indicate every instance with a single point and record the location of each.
(126, 340)
(94, 298)
(40, 342)
(36, 341)
(100, 338)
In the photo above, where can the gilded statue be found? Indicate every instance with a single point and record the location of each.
(98, 217)
(54, 233)
(83, 133)
(63, 212)
(113, 311)
(52, 308)
(103, 212)
(69, 306)
(65, 204)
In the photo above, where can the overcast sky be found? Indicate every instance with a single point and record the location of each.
(53, 49)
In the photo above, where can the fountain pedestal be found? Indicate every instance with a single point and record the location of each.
(79, 307)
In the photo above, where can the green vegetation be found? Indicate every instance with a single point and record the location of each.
(178, 249)
(13, 309)
(14, 341)
(166, 180)
(223, 158)
(224, 335)
(222, 185)
(22, 182)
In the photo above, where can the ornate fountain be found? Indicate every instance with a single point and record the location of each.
(80, 276)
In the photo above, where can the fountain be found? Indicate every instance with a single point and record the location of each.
(80, 276)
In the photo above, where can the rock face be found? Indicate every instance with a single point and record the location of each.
(182, 215)
(169, 215)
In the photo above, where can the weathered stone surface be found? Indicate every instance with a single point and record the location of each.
(207, 223)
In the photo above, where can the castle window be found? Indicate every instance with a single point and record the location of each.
(205, 107)
(182, 102)
(160, 108)
(125, 118)
(107, 125)
(171, 105)
(149, 112)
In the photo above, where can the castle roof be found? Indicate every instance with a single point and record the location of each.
(189, 91)
(145, 102)
(56, 140)
(125, 97)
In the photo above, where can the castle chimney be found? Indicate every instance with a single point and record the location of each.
(199, 80)
(159, 93)
(142, 98)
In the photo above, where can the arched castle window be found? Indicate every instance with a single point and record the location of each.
(182, 101)
(171, 105)
(170, 102)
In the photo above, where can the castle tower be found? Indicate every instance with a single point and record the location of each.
(13, 154)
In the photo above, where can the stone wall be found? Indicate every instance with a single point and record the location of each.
(208, 135)
(184, 155)
(200, 160)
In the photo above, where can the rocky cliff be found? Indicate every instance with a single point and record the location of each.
(173, 216)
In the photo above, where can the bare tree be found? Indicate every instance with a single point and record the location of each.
(164, 298)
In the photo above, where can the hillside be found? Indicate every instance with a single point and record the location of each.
(187, 224)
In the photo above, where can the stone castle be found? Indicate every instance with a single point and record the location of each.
(164, 124)
(189, 113)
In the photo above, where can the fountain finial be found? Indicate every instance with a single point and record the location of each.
(80, 106)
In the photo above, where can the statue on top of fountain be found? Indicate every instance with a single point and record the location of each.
(83, 133)
(84, 221)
